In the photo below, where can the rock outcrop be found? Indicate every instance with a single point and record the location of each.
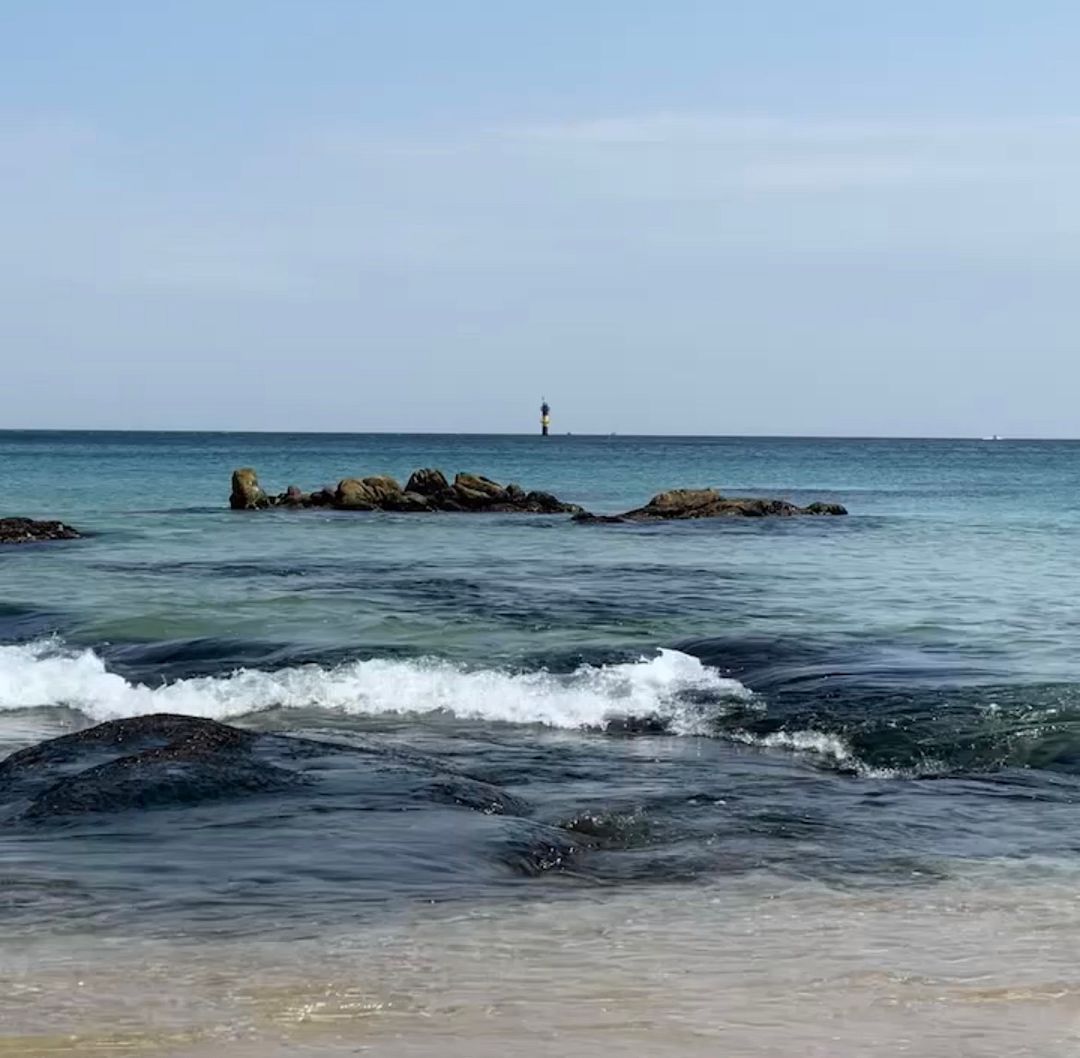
(27, 531)
(685, 504)
(164, 774)
(247, 494)
(427, 490)
(164, 760)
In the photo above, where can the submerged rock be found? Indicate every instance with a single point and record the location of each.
(163, 760)
(708, 503)
(27, 531)
(599, 519)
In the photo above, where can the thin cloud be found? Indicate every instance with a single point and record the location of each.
(788, 155)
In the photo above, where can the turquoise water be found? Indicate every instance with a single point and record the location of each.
(956, 553)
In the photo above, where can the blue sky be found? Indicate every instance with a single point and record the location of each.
(778, 217)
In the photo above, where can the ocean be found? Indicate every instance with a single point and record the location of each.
(757, 787)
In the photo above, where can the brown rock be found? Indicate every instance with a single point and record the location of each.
(545, 503)
(247, 494)
(427, 491)
(354, 495)
(682, 501)
(471, 499)
(383, 489)
(708, 503)
(482, 485)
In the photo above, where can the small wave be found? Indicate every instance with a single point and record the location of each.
(833, 752)
(673, 687)
(818, 743)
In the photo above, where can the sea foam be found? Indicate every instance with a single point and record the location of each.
(669, 686)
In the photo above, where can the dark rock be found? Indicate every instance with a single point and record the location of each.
(323, 497)
(138, 763)
(479, 796)
(27, 531)
(188, 771)
(128, 735)
(607, 829)
(408, 502)
(545, 503)
(540, 849)
(606, 519)
(164, 760)
(708, 503)
(636, 725)
(293, 497)
(447, 500)
(427, 482)
(247, 494)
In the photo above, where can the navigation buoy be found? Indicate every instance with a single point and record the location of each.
(545, 417)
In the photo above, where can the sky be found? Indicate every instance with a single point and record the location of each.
(837, 217)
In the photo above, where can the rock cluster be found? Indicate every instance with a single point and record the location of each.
(426, 490)
(27, 531)
(708, 503)
(429, 490)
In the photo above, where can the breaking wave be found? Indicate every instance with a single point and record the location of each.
(674, 688)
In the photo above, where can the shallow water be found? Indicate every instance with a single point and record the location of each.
(817, 778)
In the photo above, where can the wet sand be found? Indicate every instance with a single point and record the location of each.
(978, 967)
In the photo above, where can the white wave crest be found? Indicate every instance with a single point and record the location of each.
(831, 750)
(48, 674)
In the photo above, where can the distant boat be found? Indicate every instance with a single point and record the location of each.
(994, 437)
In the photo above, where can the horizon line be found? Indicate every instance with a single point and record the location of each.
(191, 431)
